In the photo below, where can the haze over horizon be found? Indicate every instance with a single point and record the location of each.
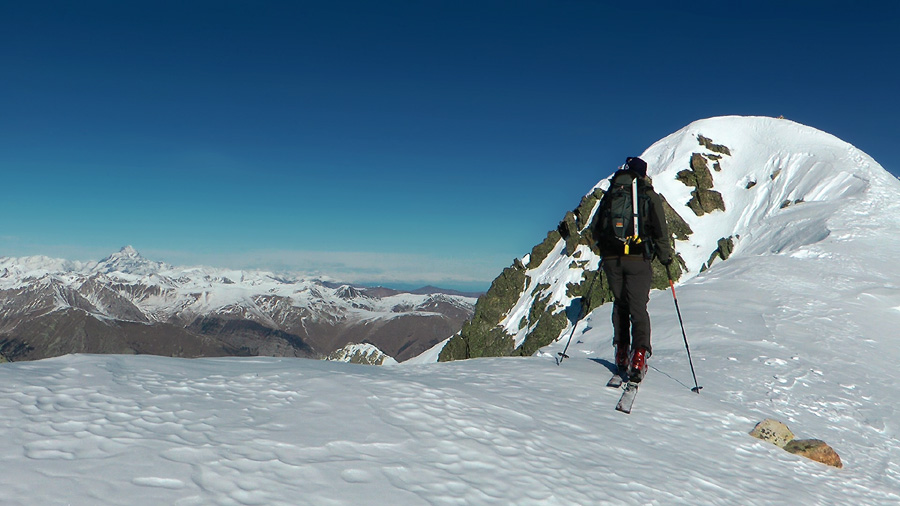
(393, 143)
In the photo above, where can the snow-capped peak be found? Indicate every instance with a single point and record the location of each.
(763, 169)
(128, 261)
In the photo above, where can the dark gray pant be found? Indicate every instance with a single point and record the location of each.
(630, 280)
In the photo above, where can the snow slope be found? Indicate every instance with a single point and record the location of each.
(800, 325)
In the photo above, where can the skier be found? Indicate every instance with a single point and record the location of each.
(629, 234)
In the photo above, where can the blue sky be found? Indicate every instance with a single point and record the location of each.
(395, 142)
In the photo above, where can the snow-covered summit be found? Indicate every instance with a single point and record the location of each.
(128, 261)
(768, 168)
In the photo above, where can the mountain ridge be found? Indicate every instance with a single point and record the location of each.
(214, 311)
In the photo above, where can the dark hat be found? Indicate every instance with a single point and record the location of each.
(636, 165)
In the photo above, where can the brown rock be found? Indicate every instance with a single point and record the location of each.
(718, 148)
(700, 168)
(815, 449)
(706, 201)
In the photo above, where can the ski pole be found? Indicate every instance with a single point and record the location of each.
(680, 321)
(562, 355)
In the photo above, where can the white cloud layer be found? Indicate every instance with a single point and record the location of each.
(353, 267)
(386, 268)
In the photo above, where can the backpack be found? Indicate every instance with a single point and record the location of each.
(614, 227)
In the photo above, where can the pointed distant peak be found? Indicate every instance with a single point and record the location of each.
(127, 260)
(125, 252)
(349, 292)
(129, 251)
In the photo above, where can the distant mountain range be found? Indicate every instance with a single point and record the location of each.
(126, 303)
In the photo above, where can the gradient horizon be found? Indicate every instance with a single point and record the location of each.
(393, 142)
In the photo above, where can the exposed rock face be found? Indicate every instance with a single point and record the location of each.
(716, 148)
(481, 337)
(677, 226)
(698, 175)
(704, 199)
(546, 321)
(773, 431)
(815, 449)
(724, 247)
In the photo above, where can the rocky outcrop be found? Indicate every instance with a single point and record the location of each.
(704, 199)
(547, 322)
(724, 248)
(540, 251)
(715, 148)
(575, 225)
(481, 336)
(788, 203)
(679, 228)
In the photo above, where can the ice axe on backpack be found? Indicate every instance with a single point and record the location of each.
(680, 321)
(636, 239)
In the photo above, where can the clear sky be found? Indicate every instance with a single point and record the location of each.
(395, 142)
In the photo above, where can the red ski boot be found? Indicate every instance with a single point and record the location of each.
(638, 365)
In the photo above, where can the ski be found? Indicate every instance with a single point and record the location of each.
(616, 381)
(628, 395)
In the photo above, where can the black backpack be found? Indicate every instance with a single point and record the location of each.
(614, 225)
